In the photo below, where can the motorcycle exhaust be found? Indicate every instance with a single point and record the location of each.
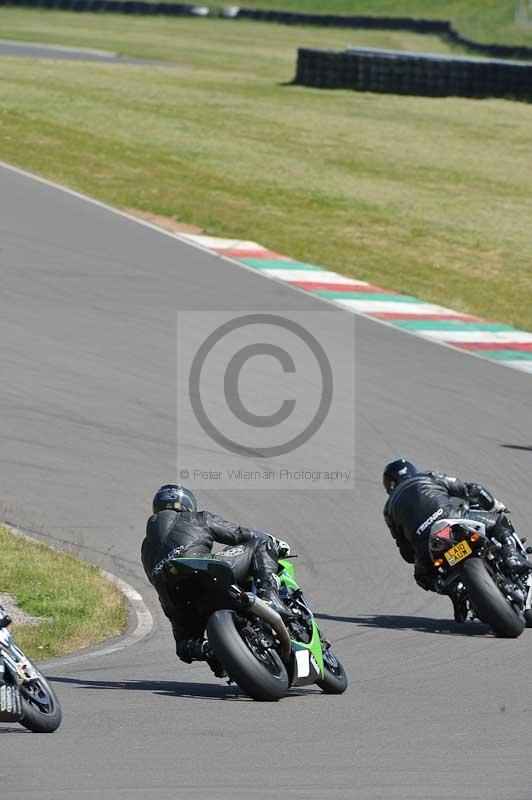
(251, 602)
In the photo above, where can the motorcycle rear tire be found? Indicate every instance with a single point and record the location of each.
(489, 602)
(241, 664)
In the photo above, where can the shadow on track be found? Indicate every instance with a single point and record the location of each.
(517, 447)
(205, 691)
(10, 729)
(396, 622)
(166, 688)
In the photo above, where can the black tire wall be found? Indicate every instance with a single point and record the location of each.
(413, 73)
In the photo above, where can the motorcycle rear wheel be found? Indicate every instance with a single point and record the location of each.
(264, 679)
(489, 602)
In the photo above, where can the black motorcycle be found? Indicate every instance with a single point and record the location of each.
(472, 570)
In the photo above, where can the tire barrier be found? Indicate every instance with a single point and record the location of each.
(398, 72)
(112, 6)
(435, 27)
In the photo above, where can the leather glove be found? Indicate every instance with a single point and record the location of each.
(282, 547)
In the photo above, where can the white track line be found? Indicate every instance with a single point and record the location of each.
(311, 276)
(523, 365)
(136, 603)
(399, 306)
(484, 337)
(142, 629)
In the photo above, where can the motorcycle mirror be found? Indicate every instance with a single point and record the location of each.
(529, 550)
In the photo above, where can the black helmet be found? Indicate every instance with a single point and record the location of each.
(397, 471)
(175, 497)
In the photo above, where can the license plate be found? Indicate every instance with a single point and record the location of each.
(458, 553)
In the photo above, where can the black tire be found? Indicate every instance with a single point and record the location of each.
(528, 617)
(489, 602)
(40, 717)
(334, 679)
(242, 666)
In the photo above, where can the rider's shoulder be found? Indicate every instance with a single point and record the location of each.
(435, 475)
(162, 521)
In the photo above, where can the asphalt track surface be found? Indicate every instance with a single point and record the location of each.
(57, 52)
(87, 430)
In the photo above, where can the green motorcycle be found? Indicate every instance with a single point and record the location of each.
(262, 653)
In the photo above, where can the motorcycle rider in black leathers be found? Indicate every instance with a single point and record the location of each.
(417, 499)
(177, 529)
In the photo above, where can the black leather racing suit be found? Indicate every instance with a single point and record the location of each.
(187, 534)
(417, 502)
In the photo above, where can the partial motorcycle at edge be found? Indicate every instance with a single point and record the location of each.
(25, 694)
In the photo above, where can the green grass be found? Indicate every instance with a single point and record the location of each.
(430, 197)
(484, 20)
(83, 607)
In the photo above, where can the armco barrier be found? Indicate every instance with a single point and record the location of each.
(399, 72)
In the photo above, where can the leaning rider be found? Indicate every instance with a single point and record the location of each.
(177, 527)
(418, 499)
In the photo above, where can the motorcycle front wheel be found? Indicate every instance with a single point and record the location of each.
(489, 602)
(257, 669)
(334, 679)
(41, 712)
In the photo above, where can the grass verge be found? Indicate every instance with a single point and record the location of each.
(490, 21)
(80, 606)
(428, 196)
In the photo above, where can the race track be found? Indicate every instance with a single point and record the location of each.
(87, 432)
(62, 53)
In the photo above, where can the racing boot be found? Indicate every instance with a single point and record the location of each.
(516, 561)
(458, 599)
(268, 590)
(213, 663)
(189, 650)
(266, 564)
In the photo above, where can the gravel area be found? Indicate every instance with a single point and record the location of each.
(18, 616)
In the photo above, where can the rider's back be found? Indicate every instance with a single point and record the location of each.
(417, 502)
(168, 531)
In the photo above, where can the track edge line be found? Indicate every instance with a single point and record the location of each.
(144, 618)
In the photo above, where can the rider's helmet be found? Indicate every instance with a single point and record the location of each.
(397, 471)
(175, 497)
